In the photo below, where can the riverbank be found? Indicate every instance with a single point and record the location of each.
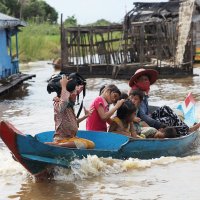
(39, 42)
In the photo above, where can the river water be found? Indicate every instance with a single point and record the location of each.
(30, 109)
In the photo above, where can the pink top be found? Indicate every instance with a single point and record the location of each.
(66, 124)
(94, 122)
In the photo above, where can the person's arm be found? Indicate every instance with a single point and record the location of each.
(142, 113)
(194, 127)
(137, 120)
(87, 113)
(80, 119)
(109, 121)
(106, 115)
(143, 124)
(115, 128)
(64, 98)
(133, 131)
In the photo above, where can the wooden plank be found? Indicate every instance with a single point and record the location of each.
(13, 81)
(97, 29)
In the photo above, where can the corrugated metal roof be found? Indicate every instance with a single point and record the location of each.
(155, 11)
(8, 21)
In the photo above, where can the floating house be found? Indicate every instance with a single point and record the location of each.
(9, 54)
(159, 35)
(166, 32)
(10, 76)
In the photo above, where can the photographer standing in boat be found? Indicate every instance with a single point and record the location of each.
(162, 117)
(66, 123)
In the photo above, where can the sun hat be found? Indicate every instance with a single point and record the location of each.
(151, 73)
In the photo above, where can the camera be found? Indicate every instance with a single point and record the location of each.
(54, 82)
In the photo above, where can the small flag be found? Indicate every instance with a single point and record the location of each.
(189, 99)
(188, 109)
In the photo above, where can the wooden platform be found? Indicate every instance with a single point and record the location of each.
(12, 81)
(124, 72)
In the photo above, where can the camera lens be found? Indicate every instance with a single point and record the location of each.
(71, 85)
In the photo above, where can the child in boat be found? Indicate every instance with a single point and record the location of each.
(123, 95)
(101, 115)
(123, 122)
(141, 127)
(168, 132)
(66, 123)
(161, 117)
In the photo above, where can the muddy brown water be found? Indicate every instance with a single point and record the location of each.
(30, 109)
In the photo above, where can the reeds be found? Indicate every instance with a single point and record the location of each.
(39, 42)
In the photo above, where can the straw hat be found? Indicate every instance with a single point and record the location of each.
(151, 73)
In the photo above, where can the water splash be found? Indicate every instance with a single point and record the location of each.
(93, 166)
(185, 16)
(86, 168)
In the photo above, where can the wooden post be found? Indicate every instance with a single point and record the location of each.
(79, 43)
(191, 48)
(142, 44)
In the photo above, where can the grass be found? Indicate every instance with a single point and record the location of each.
(39, 42)
(42, 42)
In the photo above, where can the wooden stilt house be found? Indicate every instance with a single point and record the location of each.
(165, 33)
(9, 54)
(156, 35)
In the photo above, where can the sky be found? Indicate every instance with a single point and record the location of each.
(88, 11)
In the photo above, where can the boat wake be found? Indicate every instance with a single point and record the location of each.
(89, 167)
(93, 166)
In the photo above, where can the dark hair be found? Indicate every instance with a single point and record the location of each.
(123, 95)
(112, 88)
(170, 132)
(101, 89)
(126, 109)
(137, 93)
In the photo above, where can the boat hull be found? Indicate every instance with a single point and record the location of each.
(37, 157)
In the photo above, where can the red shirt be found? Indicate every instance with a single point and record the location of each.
(94, 122)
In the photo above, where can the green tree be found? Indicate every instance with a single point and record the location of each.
(3, 8)
(12, 7)
(102, 22)
(70, 21)
(38, 10)
(34, 10)
(22, 5)
(50, 13)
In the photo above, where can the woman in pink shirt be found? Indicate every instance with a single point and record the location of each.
(101, 113)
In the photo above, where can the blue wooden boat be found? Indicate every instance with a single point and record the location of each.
(37, 157)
